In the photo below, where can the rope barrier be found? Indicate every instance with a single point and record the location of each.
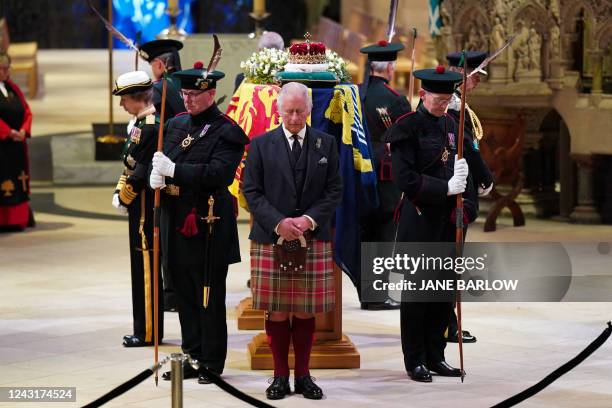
(549, 379)
(235, 392)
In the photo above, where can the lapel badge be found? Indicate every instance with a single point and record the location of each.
(186, 141)
(318, 143)
(135, 135)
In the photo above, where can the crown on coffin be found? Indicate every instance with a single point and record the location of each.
(307, 52)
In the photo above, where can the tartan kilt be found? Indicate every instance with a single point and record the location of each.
(309, 291)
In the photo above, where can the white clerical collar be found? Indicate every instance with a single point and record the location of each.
(301, 135)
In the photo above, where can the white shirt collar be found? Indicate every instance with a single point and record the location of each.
(3, 89)
(301, 135)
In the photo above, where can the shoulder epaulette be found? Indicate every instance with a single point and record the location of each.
(391, 89)
(404, 116)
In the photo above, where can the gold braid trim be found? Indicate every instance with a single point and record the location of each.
(147, 273)
(476, 125)
(121, 182)
(127, 194)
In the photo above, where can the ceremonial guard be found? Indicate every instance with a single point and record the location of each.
(423, 150)
(202, 150)
(480, 173)
(382, 106)
(292, 185)
(133, 196)
(163, 57)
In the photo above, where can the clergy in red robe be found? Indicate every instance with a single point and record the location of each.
(15, 124)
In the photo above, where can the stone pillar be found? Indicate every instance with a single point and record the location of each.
(585, 212)
(566, 50)
(596, 57)
(566, 193)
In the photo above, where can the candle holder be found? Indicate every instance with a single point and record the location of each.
(173, 31)
(258, 17)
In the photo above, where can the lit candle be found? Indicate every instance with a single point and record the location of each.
(259, 6)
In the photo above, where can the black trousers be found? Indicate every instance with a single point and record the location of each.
(422, 327)
(142, 282)
(203, 331)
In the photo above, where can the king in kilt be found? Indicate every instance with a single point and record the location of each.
(292, 186)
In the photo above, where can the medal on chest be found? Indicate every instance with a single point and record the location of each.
(189, 139)
(186, 141)
(445, 154)
(135, 135)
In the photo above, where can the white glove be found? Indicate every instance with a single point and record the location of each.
(163, 165)
(461, 168)
(482, 192)
(156, 180)
(456, 186)
(457, 183)
(120, 209)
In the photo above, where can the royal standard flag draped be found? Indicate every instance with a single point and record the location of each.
(337, 111)
(254, 109)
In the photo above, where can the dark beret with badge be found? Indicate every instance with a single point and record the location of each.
(132, 82)
(438, 80)
(153, 49)
(474, 59)
(382, 51)
(198, 78)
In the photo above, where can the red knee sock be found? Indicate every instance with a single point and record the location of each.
(303, 337)
(279, 336)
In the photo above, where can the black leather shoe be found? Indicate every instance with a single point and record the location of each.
(204, 379)
(188, 372)
(420, 373)
(279, 388)
(305, 385)
(388, 304)
(467, 337)
(135, 341)
(444, 369)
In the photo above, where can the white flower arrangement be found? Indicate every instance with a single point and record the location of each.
(262, 66)
(337, 65)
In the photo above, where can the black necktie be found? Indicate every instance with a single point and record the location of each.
(296, 149)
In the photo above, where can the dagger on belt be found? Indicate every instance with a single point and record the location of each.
(210, 221)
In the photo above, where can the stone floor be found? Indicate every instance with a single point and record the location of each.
(66, 305)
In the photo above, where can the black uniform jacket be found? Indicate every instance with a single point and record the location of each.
(270, 190)
(418, 142)
(205, 166)
(137, 158)
(381, 95)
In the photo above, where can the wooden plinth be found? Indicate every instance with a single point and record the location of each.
(340, 353)
(247, 318)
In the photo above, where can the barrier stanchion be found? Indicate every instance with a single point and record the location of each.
(176, 367)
